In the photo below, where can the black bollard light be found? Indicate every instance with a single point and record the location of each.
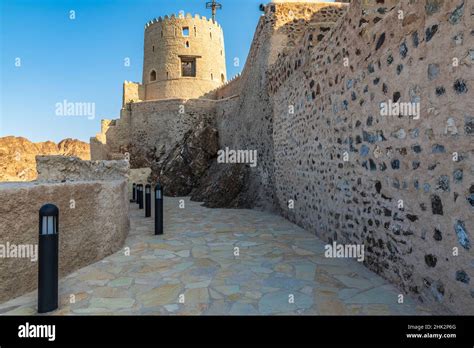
(48, 258)
(140, 196)
(137, 193)
(147, 200)
(134, 193)
(158, 209)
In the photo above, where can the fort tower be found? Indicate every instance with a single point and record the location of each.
(184, 57)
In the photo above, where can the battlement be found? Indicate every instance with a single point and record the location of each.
(188, 17)
(229, 88)
(232, 79)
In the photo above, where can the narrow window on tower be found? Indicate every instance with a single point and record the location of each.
(187, 44)
(153, 48)
(222, 78)
(212, 77)
(188, 67)
(153, 75)
(195, 31)
(185, 31)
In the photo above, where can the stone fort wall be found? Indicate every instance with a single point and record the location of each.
(391, 160)
(146, 130)
(230, 88)
(399, 193)
(157, 126)
(246, 122)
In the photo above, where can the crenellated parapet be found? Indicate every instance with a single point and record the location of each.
(170, 19)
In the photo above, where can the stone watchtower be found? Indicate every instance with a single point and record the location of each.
(184, 57)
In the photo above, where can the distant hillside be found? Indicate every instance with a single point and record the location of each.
(17, 155)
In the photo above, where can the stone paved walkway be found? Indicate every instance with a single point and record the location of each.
(195, 257)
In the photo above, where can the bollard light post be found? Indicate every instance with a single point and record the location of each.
(147, 200)
(158, 209)
(140, 196)
(48, 258)
(137, 194)
(134, 193)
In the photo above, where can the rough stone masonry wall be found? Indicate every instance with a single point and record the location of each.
(391, 159)
(157, 126)
(147, 129)
(65, 168)
(114, 137)
(93, 223)
(293, 20)
(246, 122)
(230, 88)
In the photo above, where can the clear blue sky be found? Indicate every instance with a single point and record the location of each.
(82, 60)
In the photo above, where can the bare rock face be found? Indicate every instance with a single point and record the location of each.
(181, 169)
(17, 155)
(224, 186)
(191, 168)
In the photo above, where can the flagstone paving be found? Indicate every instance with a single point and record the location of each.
(280, 269)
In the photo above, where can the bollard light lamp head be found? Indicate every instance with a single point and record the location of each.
(158, 191)
(49, 214)
(147, 188)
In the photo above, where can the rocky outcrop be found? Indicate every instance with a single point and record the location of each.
(17, 155)
(181, 169)
(225, 186)
(73, 147)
